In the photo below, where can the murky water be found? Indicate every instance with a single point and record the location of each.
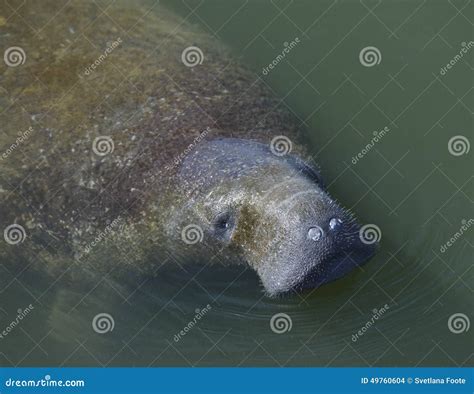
(408, 183)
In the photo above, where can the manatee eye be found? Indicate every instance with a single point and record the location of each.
(224, 224)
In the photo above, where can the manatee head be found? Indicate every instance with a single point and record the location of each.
(244, 203)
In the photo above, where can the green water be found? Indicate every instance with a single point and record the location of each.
(408, 184)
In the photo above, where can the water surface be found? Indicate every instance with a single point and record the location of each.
(408, 184)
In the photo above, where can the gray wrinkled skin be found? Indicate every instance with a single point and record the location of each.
(252, 206)
(258, 208)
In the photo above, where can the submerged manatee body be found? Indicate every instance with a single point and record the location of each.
(148, 140)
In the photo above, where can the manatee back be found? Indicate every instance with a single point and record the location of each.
(115, 75)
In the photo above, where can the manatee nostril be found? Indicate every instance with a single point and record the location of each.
(335, 223)
(315, 233)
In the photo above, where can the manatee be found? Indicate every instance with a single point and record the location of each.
(130, 138)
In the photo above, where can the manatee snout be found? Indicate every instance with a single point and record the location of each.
(337, 243)
(328, 251)
(318, 240)
(270, 212)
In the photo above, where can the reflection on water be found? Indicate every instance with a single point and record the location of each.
(236, 329)
(409, 185)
